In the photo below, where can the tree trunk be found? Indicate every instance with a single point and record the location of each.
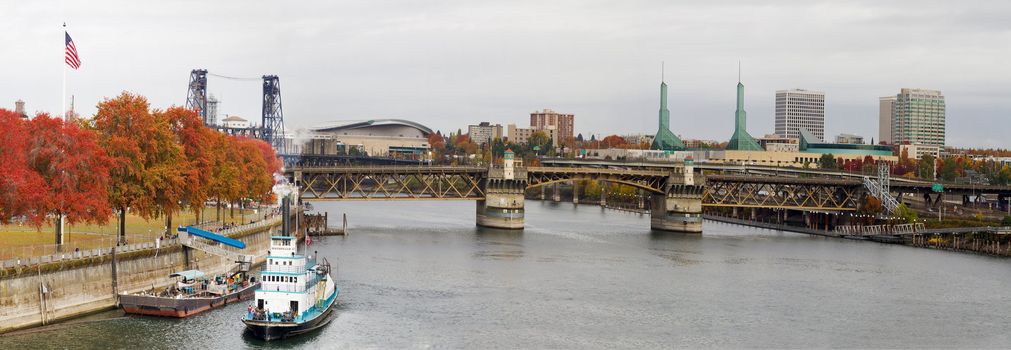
(58, 227)
(122, 225)
(168, 224)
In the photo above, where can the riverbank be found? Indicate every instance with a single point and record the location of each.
(42, 292)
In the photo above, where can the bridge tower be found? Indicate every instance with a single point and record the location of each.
(273, 116)
(680, 208)
(504, 189)
(196, 96)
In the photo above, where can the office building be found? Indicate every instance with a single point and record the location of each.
(886, 110)
(235, 121)
(917, 151)
(778, 143)
(522, 135)
(564, 124)
(484, 133)
(800, 108)
(849, 139)
(918, 118)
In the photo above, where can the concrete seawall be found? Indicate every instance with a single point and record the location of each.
(87, 285)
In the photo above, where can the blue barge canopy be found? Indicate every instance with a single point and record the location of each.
(188, 274)
(214, 237)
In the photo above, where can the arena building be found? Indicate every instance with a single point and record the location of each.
(378, 137)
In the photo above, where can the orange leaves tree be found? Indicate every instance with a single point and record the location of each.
(259, 163)
(243, 168)
(147, 161)
(196, 167)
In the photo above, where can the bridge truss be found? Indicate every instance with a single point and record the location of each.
(782, 193)
(392, 183)
(650, 180)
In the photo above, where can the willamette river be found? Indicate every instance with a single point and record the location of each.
(420, 274)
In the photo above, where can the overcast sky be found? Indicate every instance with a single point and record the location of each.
(452, 63)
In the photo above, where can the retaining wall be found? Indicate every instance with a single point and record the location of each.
(80, 286)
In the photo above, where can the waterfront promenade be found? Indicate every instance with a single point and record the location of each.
(45, 289)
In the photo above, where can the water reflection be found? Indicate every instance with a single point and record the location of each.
(416, 275)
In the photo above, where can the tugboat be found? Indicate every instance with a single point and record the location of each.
(194, 293)
(296, 294)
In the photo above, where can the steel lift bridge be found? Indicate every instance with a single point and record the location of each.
(271, 128)
(193, 237)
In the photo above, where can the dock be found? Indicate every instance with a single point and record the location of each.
(317, 225)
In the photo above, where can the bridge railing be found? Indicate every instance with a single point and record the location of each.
(875, 230)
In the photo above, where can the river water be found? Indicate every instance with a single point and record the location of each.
(420, 275)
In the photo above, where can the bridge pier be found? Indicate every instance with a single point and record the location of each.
(603, 193)
(575, 192)
(503, 204)
(680, 210)
(556, 194)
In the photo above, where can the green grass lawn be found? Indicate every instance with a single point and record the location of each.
(28, 240)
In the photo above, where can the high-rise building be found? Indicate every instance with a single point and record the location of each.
(742, 140)
(918, 117)
(212, 111)
(665, 139)
(484, 132)
(564, 124)
(800, 108)
(886, 112)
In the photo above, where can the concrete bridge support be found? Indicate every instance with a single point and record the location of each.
(575, 192)
(556, 194)
(503, 204)
(680, 210)
(603, 193)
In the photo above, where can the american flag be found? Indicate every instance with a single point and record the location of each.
(71, 57)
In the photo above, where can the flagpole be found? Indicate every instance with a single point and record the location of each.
(63, 100)
(63, 110)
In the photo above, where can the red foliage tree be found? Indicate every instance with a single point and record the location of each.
(75, 168)
(21, 189)
(614, 141)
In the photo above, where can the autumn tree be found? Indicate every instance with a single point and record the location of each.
(146, 176)
(870, 206)
(614, 141)
(225, 182)
(259, 164)
(75, 169)
(438, 145)
(196, 168)
(21, 189)
(539, 139)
